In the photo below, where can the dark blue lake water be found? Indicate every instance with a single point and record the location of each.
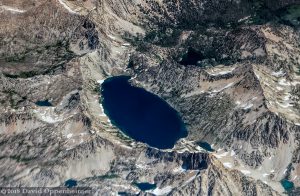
(145, 186)
(205, 146)
(191, 57)
(287, 185)
(140, 114)
(123, 193)
(71, 183)
(44, 103)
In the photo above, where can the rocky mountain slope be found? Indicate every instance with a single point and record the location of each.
(230, 68)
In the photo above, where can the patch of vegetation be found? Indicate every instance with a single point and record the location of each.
(59, 50)
(21, 75)
(104, 177)
(19, 158)
(16, 58)
(262, 12)
(143, 47)
(31, 74)
(290, 15)
(296, 96)
(11, 94)
(123, 137)
(52, 69)
(165, 37)
(58, 44)
(134, 40)
(96, 89)
(295, 192)
(13, 98)
(108, 176)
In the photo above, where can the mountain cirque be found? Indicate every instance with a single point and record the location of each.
(241, 96)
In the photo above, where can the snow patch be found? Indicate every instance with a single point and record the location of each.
(295, 177)
(221, 155)
(225, 87)
(270, 157)
(11, 9)
(284, 171)
(265, 175)
(248, 106)
(196, 92)
(232, 153)
(283, 82)
(178, 170)
(227, 164)
(245, 172)
(189, 180)
(294, 83)
(109, 122)
(100, 81)
(162, 191)
(122, 186)
(126, 44)
(48, 116)
(278, 74)
(245, 18)
(69, 135)
(286, 98)
(112, 37)
(284, 105)
(140, 166)
(67, 7)
(222, 72)
(102, 114)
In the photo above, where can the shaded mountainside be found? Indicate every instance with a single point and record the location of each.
(230, 68)
(45, 43)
